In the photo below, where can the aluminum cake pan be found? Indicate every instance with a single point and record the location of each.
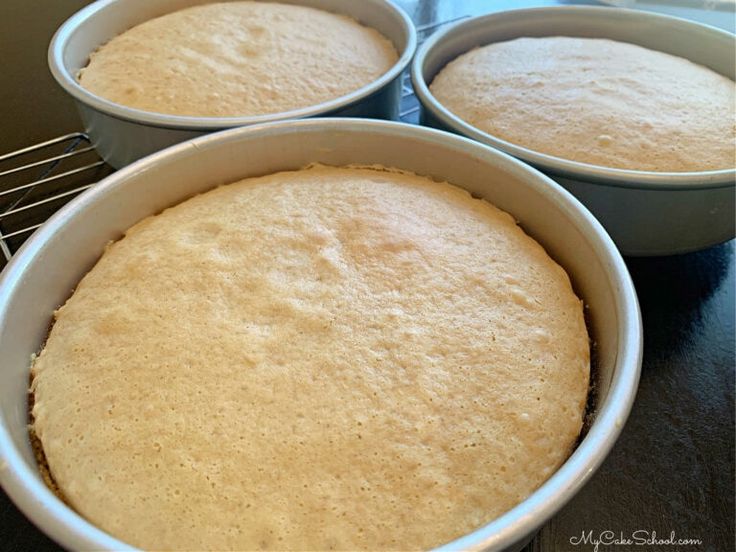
(122, 134)
(44, 272)
(646, 213)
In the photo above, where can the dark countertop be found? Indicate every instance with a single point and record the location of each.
(672, 470)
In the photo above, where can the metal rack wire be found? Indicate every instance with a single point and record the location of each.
(37, 180)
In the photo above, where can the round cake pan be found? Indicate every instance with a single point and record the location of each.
(123, 134)
(44, 272)
(646, 213)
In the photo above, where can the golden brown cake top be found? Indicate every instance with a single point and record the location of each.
(331, 358)
(596, 101)
(237, 59)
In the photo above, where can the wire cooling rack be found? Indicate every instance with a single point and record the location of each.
(37, 180)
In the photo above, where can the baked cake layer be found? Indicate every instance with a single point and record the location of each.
(330, 358)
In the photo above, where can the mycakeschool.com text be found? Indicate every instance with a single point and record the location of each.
(599, 541)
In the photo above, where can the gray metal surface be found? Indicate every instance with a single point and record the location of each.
(646, 213)
(122, 134)
(43, 273)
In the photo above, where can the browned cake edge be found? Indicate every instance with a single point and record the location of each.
(43, 466)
